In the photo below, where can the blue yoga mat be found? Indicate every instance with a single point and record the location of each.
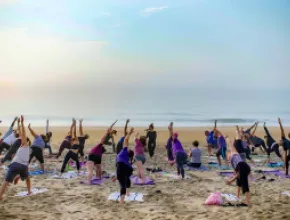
(38, 172)
(275, 164)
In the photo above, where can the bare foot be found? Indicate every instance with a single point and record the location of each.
(16, 179)
(128, 194)
(29, 193)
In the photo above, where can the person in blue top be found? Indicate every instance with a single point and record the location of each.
(285, 143)
(210, 140)
(121, 141)
(124, 167)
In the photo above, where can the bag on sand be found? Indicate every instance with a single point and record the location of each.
(214, 199)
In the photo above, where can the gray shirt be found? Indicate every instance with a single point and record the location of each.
(235, 159)
(195, 155)
(22, 156)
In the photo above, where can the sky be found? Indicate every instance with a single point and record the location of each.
(65, 44)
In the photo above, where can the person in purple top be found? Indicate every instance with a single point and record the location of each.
(139, 152)
(66, 143)
(222, 148)
(242, 171)
(95, 157)
(124, 168)
(178, 153)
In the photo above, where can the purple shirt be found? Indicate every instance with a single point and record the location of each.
(97, 150)
(123, 157)
(139, 148)
(235, 159)
(176, 147)
(221, 142)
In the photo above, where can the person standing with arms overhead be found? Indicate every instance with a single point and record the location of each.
(152, 136)
(222, 147)
(48, 138)
(211, 142)
(66, 143)
(19, 165)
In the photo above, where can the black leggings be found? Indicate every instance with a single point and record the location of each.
(3, 146)
(287, 163)
(37, 153)
(262, 143)
(248, 153)
(274, 148)
(151, 148)
(123, 175)
(65, 144)
(68, 156)
(242, 181)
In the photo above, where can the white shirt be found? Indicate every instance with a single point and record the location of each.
(22, 156)
(10, 139)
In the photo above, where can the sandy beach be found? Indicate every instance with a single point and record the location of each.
(167, 199)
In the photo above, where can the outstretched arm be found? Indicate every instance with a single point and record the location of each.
(170, 129)
(127, 138)
(249, 129)
(47, 126)
(126, 126)
(18, 127)
(71, 127)
(215, 125)
(255, 129)
(238, 133)
(281, 128)
(13, 123)
(108, 131)
(32, 132)
(81, 128)
(75, 130)
(23, 133)
(266, 130)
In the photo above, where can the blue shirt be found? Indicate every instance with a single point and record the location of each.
(123, 157)
(38, 142)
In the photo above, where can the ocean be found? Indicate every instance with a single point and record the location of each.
(186, 107)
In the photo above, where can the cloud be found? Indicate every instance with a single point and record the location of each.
(149, 11)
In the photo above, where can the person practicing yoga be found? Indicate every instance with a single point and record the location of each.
(241, 146)
(15, 146)
(211, 142)
(37, 147)
(66, 143)
(82, 140)
(272, 144)
(72, 154)
(242, 171)
(19, 165)
(152, 136)
(47, 140)
(139, 152)
(110, 136)
(168, 146)
(121, 141)
(221, 150)
(195, 156)
(253, 140)
(285, 143)
(95, 157)
(124, 168)
(9, 137)
(178, 153)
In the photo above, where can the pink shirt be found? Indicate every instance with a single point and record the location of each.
(97, 150)
(139, 148)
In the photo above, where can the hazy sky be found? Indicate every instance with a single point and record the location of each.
(222, 43)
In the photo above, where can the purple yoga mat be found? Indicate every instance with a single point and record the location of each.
(137, 181)
(283, 175)
(229, 173)
(93, 182)
(73, 164)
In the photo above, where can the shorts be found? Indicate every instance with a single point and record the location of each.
(37, 153)
(242, 181)
(95, 158)
(81, 151)
(222, 152)
(15, 169)
(140, 157)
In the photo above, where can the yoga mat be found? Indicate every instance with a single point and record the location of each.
(281, 174)
(132, 197)
(227, 174)
(33, 166)
(223, 167)
(172, 175)
(138, 182)
(93, 182)
(67, 175)
(275, 164)
(74, 165)
(34, 192)
(39, 172)
(201, 168)
(286, 193)
(230, 197)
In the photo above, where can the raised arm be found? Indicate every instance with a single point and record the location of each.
(108, 131)
(18, 127)
(47, 126)
(127, 138)
(137, 135)
(266, 130)
(281, 128)
(255, 129)
(232, 147)
(126, 126)
(215, 125)
(112, 125)
(238, 133)
(31, 131)
(75, 130)
(23, 133)
(170, 129)
(71, 127)
(81, 128)
(249, 129)
(13, 123)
